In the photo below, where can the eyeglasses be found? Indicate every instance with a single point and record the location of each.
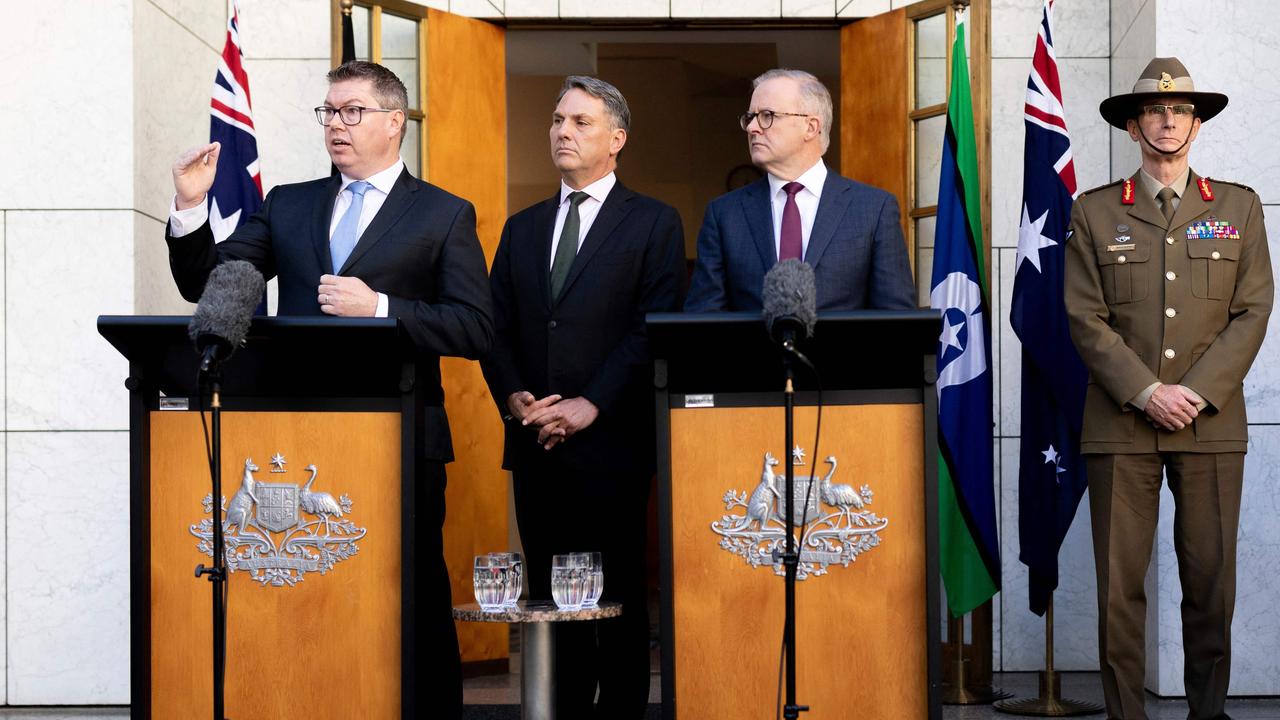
(350, 114)
(1179, 110)
(764, 118)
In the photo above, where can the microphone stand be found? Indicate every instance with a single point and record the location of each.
(218, 572)
(790, 558)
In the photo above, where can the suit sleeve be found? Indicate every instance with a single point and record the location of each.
(499, 365)
(193, 256)
(1219, 373)
(1110, 361)
(661, 290)
(460, 322)
(891, 286)
(707, 292)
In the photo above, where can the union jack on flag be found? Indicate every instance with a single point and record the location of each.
(237, 188)
(1051, 478)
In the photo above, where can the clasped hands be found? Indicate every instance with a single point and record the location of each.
(1171, 407)
(557, 419)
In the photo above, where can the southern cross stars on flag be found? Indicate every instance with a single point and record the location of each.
(1051, 476)
(237, 188)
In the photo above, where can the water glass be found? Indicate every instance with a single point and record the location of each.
(595, 578)
(515, 577)
(490, 579)
(569, 580)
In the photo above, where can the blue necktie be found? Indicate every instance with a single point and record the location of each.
(345, 235)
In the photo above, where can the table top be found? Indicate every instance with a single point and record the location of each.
(531, 612)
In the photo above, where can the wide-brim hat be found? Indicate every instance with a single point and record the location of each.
(1161, 78)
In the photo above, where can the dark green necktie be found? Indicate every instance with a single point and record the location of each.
(567, 248)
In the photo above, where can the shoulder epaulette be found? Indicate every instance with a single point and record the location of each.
(1228, 182)
(1099, 188)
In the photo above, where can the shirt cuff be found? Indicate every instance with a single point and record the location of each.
(383, 306)
(1140, 400)
(1201, 403)
(185, 222)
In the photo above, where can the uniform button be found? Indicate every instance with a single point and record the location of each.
(1171, 275)
(1169, 240)
(1215, 255)
(1122, 259)
(1170, 312)
(552, 325)
(1169, 353)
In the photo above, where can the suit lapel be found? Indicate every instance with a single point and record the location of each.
(1144, 206)
(321, 216)
(611, 213)
(398, 201)
(544, 225)
(831, 206)
(1192, 205)
(755, 205)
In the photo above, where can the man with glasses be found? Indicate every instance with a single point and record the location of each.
(373, 241)
(850, 233)
(1168, 289)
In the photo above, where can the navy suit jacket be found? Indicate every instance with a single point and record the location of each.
(421, 250)
(592, 342)
(856, 249)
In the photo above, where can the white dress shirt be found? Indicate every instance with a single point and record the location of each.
(587, 210)
(806, 201)
(185, 222)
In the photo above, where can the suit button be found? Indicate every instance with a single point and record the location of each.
(1171, 275)
(1170, 353)
(1170, 312)
(1122, 259)
(1215, 255)
(1169, 239)
(551, 325)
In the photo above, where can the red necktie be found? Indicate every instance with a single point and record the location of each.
(791, 245)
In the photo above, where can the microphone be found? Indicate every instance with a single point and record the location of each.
(790, 305)
(226, 306)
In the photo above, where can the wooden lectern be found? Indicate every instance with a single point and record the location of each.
(320, 427)
(867, 631)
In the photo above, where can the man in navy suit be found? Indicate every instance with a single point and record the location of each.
(372, 242)
(571, 373)
(848, 232)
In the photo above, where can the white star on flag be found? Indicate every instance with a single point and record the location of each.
(1052, 456)
(950, 335)
(1031, 239)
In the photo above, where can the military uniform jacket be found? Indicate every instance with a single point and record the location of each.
(1186, 304)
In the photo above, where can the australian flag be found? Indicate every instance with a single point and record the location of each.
(237, 188)
(1051, 476)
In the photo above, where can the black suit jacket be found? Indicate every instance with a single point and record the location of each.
(856, 249)
(592, 342)
(421, 250)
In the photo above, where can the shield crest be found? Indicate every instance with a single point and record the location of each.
(801, 489)
(277, 506)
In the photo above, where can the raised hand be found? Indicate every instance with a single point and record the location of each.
(193, 174)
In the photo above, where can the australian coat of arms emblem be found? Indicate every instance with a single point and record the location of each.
(279, 532)
(836, 528)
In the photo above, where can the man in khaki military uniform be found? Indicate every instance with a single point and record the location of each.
(1168, 290)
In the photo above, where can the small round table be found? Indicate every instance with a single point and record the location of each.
(537, 646)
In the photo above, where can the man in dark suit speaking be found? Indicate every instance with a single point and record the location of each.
(372, 242)
(570, 370)
(848, 232)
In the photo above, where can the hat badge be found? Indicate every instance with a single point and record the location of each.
(1166, 82)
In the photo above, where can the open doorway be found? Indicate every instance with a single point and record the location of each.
(686, 89)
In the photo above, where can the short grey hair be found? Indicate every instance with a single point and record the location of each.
(814, 96)
(614, 103)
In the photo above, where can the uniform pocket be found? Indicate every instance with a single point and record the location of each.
(1213, 267)
(1124, 273)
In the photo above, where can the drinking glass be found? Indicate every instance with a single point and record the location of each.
(569, 580)
(515, 576)
(595, 578)
(490, 579)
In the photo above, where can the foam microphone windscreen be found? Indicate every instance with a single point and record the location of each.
(789, 295)
(226, 306)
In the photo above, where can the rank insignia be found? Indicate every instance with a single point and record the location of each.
(1212, 229)
(1206, 190)
(1126, 192)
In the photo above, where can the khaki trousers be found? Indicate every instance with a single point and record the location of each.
(1124, 499)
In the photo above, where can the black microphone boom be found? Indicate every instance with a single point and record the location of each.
(221, 320)
(790, 302)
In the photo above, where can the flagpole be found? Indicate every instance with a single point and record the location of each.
(1050, 703)
(958, 691)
